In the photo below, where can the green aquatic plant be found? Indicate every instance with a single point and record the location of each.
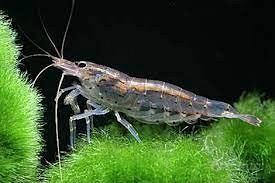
(167, 157)
(237, 143)
(20, 141)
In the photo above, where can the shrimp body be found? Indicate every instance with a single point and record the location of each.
(152, 101)
(148, 101)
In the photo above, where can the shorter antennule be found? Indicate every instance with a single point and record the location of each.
(34, 81)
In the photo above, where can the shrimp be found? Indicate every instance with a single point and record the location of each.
(149, 101)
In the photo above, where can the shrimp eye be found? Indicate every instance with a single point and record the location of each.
(228, 108)
(81, 64)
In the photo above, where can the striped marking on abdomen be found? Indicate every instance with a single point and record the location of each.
(142, 86)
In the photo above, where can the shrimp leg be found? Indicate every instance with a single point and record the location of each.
(63, 90)
(192, 119)
(90, 103)
(86, 114)
(89, 124)
(89, 120)
(127, 125)
(71, 100)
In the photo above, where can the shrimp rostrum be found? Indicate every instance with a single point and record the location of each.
(148, 101)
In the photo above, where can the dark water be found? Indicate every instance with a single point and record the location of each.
(217, 50)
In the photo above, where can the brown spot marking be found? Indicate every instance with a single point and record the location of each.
(121, 86)
(118, 84)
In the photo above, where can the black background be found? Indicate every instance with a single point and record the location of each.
(217, 49)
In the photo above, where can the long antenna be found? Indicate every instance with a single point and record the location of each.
(67, 27)
(56, 126)
(47, 34)
(35, 55)
(34, 43)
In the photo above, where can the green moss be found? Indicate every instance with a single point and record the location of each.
(243, 145)
(19, 137)
(162, 159)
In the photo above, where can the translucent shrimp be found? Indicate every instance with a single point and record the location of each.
(149, 101)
